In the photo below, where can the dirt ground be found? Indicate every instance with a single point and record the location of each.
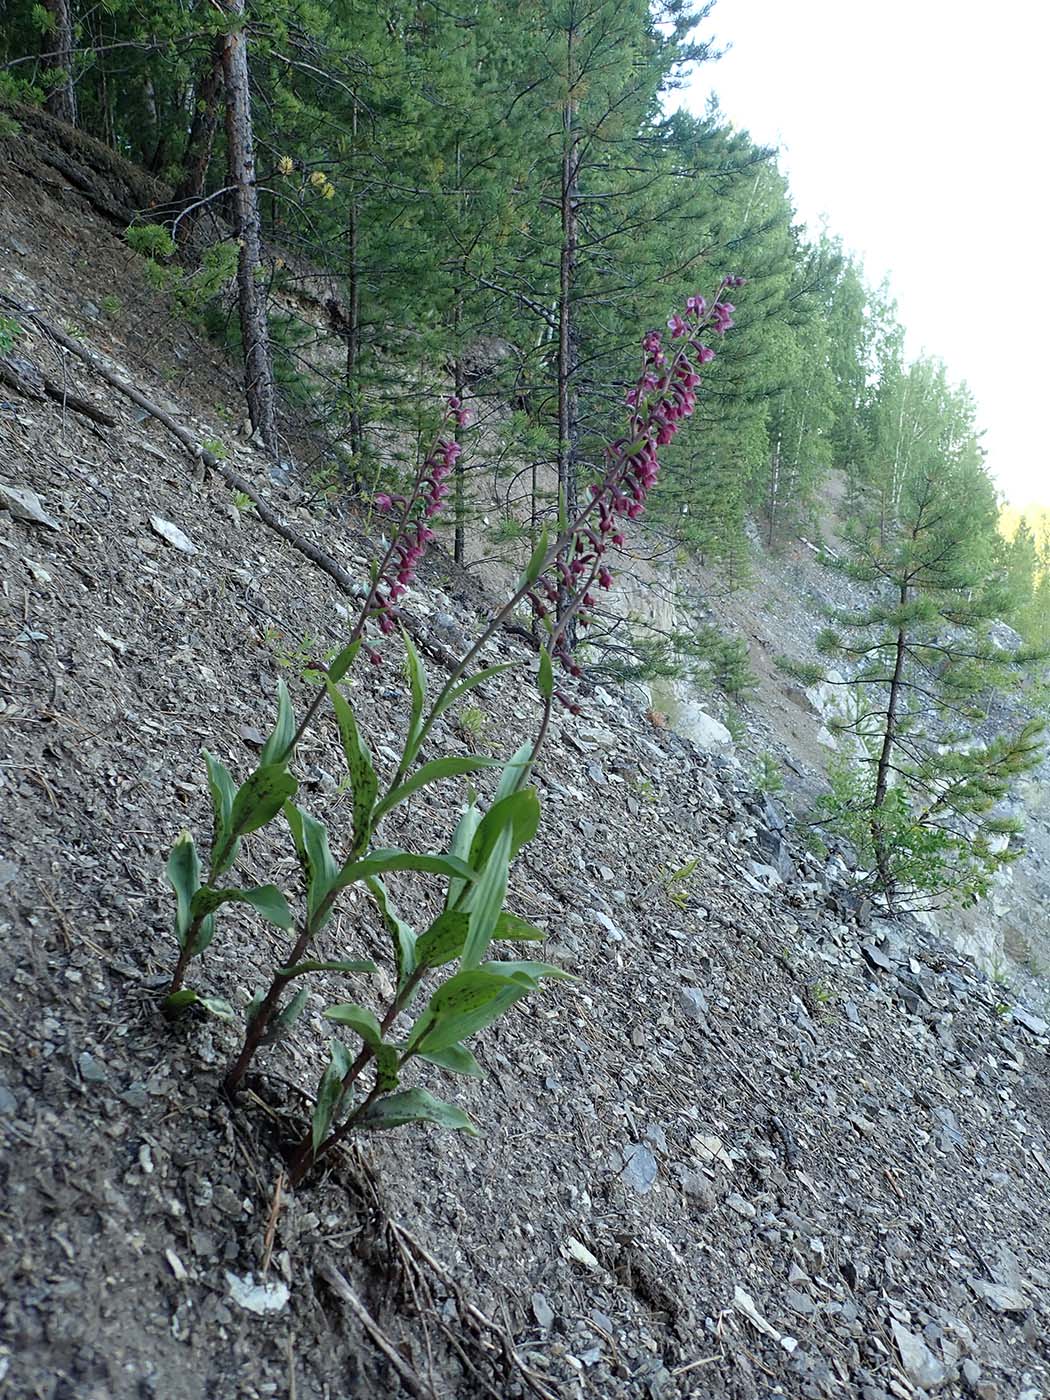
(761, 1146)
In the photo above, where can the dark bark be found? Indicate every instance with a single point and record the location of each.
(61, 99)
(251, 298)
(568, 351)
(353, 314)
(197, 156)
(568, 407)
(882, 772)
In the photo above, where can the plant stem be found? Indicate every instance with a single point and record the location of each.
(260, 1022)
(304, 1156)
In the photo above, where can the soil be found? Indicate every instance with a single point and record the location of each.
(762, 1145)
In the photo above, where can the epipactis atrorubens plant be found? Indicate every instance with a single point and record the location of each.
(361, 1088)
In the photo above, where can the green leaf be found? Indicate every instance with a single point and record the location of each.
(462, 840)
(433, 772)
(363, 781)
(521, 811)
(418, 685)
(545, 679)
(465, 1004)
(388, 1067)
(485, 900)
(443, 941)
(184, 875)
(531, 973)
(514, 774)
(178, 1001)
(218, 1006)
(315, 856)
(267, 900)
(329, 1092)
(479, 678)
(359, 1019)
(257, 802)
(509, 926)
(205, 934)
(287, 1017)
(534, 567)
(414, 1106)
(260, 798)
(383, 860)
(342, 663)
(278, 745)
(215, 1006)
(456, 1058)
(402, 935)
(223, 790)
(300, 968)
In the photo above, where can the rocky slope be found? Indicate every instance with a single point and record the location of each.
(763, 1145)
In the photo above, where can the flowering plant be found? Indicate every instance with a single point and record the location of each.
(559, 585)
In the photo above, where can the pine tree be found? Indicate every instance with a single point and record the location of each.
(924, 767)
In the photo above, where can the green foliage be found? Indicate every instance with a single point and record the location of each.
(734, 722)
(920, 784)
(150, 240)
(807, 672)
(10, 330)
(676, 883)
(768, 775)
(471, 881)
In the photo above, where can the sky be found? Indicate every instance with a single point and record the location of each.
(920, 129)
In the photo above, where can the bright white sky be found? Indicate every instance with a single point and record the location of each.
(921, 129)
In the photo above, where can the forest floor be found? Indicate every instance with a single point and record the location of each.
(764, 1145)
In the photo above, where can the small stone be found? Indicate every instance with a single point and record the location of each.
(542, 1311)
(693, 1004)
(135, 1096)
(1035, 1024)
(874, 955)
(177, 538)
(923, 1368)
(742, 1207)
(90, 1070)
(25, 505)
(639, 1169)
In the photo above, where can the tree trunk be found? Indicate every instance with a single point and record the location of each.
(353, 311)
(568, 408)
(774, 490)
(882, 773)
(61, 99)
(197, 156)
(240, 144)
(568, 405)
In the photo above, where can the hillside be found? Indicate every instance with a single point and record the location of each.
(763, 1145)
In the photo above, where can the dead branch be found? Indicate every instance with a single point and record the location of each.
(342, 1290)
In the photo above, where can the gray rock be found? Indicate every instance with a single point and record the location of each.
(743, 1207)
(1035, 1024)
(90, 1070)
(639, 1169)
(25, 505)
(542, 1311)
(693, 1004)
(876, 958)
(923, 1368)
(177, 538)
